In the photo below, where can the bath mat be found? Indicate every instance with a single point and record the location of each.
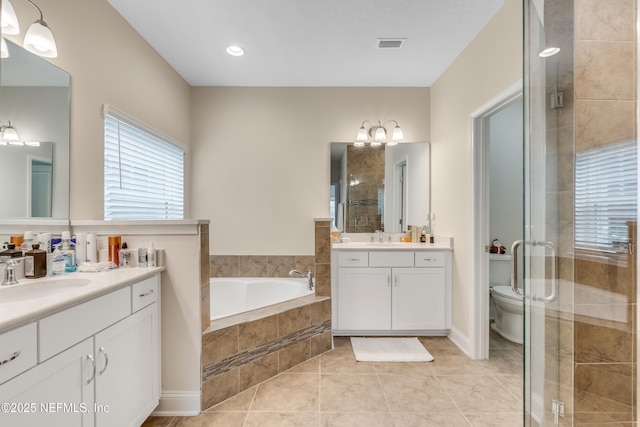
(389, 350)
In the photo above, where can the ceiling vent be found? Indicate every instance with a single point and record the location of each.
(390, 43)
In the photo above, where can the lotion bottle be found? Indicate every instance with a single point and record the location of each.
(124, 256)
(151, 255)
(68, 250)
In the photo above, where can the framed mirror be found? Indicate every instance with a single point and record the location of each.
(382, 188)
(34, 97)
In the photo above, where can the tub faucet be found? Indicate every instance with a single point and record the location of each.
(309, 276)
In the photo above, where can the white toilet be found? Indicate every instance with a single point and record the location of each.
(506, 307)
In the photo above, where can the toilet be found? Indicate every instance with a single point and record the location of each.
(506, 306)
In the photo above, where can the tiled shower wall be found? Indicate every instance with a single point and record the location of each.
(605, 327)
(366, 165)
(236, 357)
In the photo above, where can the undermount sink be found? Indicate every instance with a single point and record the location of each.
(43, 288)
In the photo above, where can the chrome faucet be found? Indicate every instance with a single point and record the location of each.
(309, 276)
(10, 272)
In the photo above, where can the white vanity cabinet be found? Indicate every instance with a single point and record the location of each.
(102, 367)
(391, 292)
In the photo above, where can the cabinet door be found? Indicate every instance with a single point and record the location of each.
(418, 299)
(364, 299)
(127, 374)
(58, 392)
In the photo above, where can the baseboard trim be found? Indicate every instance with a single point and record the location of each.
(178, 403)
(461, 340)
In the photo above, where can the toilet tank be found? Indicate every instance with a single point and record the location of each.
(499, 270)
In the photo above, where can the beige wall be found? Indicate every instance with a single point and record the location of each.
(261, 168)
(490, 64)
(109, 63)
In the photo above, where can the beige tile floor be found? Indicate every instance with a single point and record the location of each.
(334, 389)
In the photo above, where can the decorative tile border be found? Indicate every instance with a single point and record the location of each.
(220, 367)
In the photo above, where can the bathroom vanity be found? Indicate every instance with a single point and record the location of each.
(391, 288)
(87, 355)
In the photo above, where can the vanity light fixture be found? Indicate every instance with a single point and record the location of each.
(379, 134)
(235, 50)
(9, 19)
(38, 39)
(9, 133)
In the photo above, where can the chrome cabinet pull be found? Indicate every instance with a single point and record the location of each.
(11, 358)
(146, 294)
(353, 259)
(93, 362)
(106, 360)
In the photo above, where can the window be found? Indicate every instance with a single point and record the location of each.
(606, 196)
(143, 171)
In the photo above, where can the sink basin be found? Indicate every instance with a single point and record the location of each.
(26, 290)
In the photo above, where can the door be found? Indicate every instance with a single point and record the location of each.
(417, 299)
(126, 353)
(364, 299)
(536, 255)
(58, 392)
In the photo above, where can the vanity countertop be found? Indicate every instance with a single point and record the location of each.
(15, 312)
(394, 246)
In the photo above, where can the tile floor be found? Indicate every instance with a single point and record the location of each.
(335, 390)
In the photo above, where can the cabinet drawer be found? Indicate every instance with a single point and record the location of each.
(144, 293)
(430, 259)
(391, 259)
(18, 351)
(62, 330)
(353, 259)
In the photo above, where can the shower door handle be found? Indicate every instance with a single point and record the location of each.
(554, 268)
(514, 267)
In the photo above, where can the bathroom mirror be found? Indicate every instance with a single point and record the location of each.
(34, 97)
(379, 188)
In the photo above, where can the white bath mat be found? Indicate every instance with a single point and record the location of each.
(389, 350)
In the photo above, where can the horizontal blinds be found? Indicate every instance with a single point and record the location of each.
(143, 174)
(606, 196)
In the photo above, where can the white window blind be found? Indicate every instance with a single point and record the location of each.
(143, 172)
(606, 196)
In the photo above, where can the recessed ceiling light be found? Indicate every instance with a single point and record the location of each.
(550, 51)
(235, 50)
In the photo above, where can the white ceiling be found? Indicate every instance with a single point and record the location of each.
(308, 42)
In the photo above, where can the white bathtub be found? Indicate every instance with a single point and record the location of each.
(231, 296)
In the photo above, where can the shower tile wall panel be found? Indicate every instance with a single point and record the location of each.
(366, 165)
(259, 265)
(605, 113)
(205, 306)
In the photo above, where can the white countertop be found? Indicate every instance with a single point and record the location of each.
(16, 313)
(393, 246)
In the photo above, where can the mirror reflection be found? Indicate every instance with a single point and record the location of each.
(34, 97)
(382, 188)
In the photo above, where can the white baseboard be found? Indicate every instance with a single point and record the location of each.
(178, 403)
(461, 340)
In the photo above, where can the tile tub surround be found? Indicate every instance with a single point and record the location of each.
(237, 357)
(334, 390)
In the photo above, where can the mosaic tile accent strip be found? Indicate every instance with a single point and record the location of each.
(217, 368)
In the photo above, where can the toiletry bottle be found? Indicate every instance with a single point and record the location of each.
(142, 257)
(335, 234)
(124, 256)
(27, 242)
(151, 255)
(81, 248)
(114, 249)
(45, 242)
(17, 240)
(69, 252)
(58, 262)
(35, 263)
(92, 247)
(11, 252)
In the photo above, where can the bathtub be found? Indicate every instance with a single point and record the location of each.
(231, 296)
